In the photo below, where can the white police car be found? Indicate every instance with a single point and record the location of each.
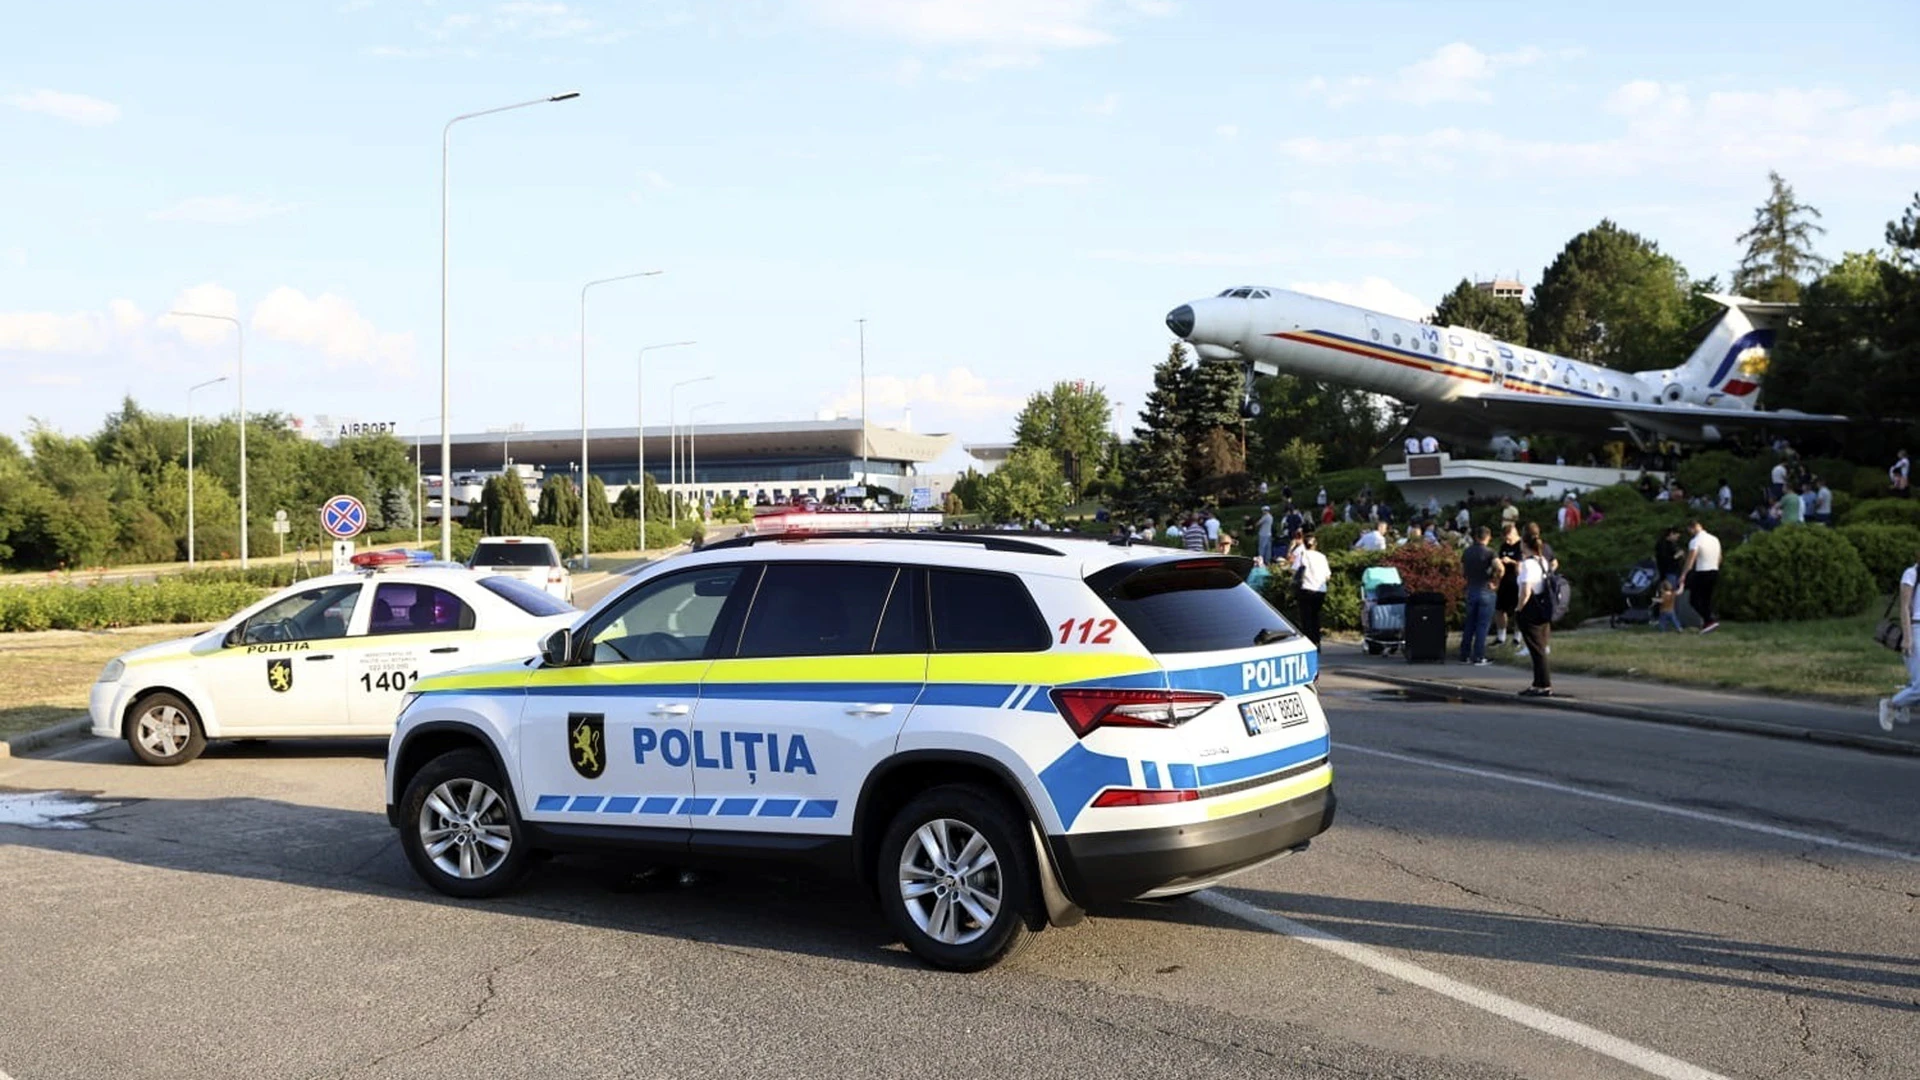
(990, 732)
(330, 656)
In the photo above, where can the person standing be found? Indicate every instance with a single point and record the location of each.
(1701, 572)
(1725, 499)
(1536, 613)
(1482, 570)
(1900, 474)
(1194, 536)
(1793, 509)
(1777, 480)
(1429, 445)
(1374, 539)
(1822, 502)
(1898, 706)
(1212, 527)
(1326, 514)
(1507, 594)
(1569, 516)
(1509, 513)
(1320, 499)
(1666, 556)
(1263, 535)
(1311, 582)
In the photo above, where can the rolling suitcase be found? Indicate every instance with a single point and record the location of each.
(1426, 634)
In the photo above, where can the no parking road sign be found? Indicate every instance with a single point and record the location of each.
(343, 517)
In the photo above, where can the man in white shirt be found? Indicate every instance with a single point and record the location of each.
(1314, 575)
(1374, 539)
(1263, 535)
(1320, 499)
(1900, 706)
(1213, 531)
(1726, 496)
(1701, 572)
(1429, 445)
(1779, 479)
(1822, 503)
(1900, 474)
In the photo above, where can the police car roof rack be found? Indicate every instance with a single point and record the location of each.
(989, 541)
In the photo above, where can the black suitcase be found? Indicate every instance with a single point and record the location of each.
(1426, 640)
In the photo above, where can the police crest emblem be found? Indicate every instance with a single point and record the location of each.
(587, 743)
(280, 674)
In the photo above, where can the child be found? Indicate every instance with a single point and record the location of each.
(1668, 620)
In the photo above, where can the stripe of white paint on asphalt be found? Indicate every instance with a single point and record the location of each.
(1631, 1053)
(1644, 804)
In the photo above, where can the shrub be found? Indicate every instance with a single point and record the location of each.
(1595, 559)
(1701, 474)
(94, 607)
(1435, 568)
(1795, 573)
(1885, 512)
(1885, 549)
(1336, 537)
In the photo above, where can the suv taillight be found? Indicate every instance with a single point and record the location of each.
(1087, 708)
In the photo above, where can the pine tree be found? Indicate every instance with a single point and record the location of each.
(1212, 395)
(599, 509)
(503, 507)
(1157, 478)
(1779, 256)
(559, 503)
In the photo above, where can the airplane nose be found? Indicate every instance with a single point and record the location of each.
(1180, 321)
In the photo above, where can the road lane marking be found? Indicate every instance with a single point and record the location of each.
(1631, 1053)
(1643, 804)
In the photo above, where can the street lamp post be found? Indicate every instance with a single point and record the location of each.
(640, 418)
(693, 458)
(419, 488)
(446, 429)
(190, 391)
(863, 405)
(586, 550)
(673, 444)
(240, 380)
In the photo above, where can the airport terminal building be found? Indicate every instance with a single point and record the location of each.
(717, 461)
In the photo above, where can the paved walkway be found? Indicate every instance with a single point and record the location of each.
(1818, 721)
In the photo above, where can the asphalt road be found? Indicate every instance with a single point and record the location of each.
(1508, 892)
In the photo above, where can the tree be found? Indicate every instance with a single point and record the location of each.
(1071, 421)
(1611, 297)
(1503, 317)
(599, 510)
(1212, 393)
(1027, 486)
(1780, 255)
(559, 503)
(1157, 478)
(1347, 425)
(503, 507)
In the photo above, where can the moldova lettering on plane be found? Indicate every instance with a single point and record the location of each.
(753, 752)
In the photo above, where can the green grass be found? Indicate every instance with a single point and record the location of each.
(1824, 658)
(45, 677)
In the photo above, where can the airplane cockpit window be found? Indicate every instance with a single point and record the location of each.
(1261, 294)
(1241, 293)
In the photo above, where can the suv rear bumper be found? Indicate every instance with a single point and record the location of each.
(1099, 868)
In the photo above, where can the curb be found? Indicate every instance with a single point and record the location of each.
(1635, 712)
(46, 736)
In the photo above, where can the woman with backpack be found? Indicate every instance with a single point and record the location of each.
(1536, 611)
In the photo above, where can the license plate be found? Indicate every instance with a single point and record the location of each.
(1273, 713)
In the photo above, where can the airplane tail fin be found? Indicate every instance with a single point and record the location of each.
(1727, 366)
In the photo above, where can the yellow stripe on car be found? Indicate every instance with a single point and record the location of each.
(1268, 796)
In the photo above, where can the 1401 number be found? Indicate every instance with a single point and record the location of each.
(388, 680)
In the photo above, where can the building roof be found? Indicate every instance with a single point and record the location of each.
(797, 439)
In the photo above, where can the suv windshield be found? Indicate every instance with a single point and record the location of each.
(497, 553)
(1201, 606)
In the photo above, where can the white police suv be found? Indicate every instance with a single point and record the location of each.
(990, 732)
(330, 656)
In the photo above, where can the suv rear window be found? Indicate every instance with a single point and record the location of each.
(1182, 608)
(503, 554)
(524, 596)
(984, 613)
(816, 609)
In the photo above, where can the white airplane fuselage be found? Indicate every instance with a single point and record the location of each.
(1421, 364)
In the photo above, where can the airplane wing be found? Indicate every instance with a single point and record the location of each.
(1505, 411)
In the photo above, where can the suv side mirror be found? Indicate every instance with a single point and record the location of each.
(557, 650)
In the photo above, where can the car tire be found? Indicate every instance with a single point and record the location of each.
(453, 816)
(916, 887)
(162, 729)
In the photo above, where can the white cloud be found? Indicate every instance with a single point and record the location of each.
(1106, 106)
(1352, 208)
(75, 333)
(1374, 294)
(1228, 131)
(75, 108)
(331, 324)
(220, 210)
(653, 180)
(1456, 72)
(1667, 130)
(1030, 178)
(957, 389)
(205, 299)
(990, 34)
(127, 316)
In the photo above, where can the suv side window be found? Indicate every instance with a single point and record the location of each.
(903, 629)
(313, 615)
(979, 612)
(417, 609)
(817, 609)
(670, 618)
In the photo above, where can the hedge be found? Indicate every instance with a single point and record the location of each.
(95, 607)
(1885, 512)
(1887, 550)
(1793, 573)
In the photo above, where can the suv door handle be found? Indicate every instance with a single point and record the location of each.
(672, 710)
(321, 656)
(878, 709)
(445, 649)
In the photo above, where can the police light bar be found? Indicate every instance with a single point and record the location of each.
(372, 560)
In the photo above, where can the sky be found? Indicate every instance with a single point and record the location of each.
(1009, 192)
